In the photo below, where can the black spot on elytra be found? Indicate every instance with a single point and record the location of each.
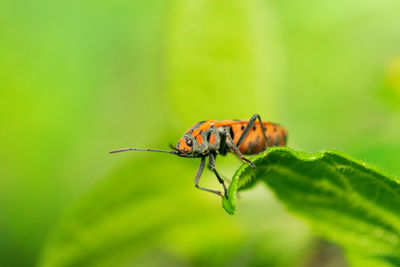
(242, 127)
(254, 128)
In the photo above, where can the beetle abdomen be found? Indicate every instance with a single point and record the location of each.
(255, 142)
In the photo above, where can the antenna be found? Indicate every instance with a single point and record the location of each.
(139, 149)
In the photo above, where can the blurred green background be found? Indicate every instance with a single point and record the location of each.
(81, 78)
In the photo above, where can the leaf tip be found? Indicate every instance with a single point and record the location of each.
(227, 205)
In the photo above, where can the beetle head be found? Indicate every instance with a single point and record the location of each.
(186, 145)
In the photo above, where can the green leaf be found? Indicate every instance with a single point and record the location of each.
(357, 260)
(148, 213)
(347, 201)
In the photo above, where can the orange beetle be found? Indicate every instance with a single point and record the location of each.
(210, 138)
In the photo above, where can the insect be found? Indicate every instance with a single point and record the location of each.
(211, 138)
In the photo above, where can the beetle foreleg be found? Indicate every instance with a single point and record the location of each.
(197, 178)
(211, 165)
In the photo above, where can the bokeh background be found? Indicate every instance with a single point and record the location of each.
(81, 78)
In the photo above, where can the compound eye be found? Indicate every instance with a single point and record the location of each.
(189, 142)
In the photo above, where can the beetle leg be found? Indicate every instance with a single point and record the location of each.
(222, 176)
(248, 128)
(237, 151)
(197, 178)
(226, 179)
(211, 165)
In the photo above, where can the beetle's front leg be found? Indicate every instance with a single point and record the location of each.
(197, 179)
(211, 165)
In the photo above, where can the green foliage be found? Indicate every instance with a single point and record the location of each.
(79, 78)
(362, 261)
(143, 216)
(220, 54)
(347, 201)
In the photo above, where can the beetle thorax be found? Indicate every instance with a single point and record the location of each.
(202, 143)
